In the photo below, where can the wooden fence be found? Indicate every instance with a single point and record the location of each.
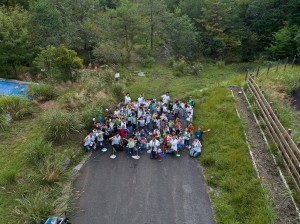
(288, 149)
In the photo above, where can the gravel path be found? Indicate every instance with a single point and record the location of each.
(284, 207)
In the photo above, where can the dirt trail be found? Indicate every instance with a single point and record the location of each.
(283, 204)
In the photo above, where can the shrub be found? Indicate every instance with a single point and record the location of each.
(108, 52)
(118, 90)
(39, 150)
(60, 125)
(147, 61)
(35, 207)
(42, 90)
(220, 64)
(88, 113)
(16, 106)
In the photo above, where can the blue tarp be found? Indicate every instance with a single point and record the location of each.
(12, 87)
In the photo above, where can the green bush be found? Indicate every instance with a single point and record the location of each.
(118, 90)
(220, 64)
(88, 113)
(60, 125)
(34, 208)
(108, 52)
(15, 106)
(147, 61)
(181, 68)
(39, 150)
(42, 90)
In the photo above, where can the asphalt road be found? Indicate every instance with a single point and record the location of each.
(144, 191)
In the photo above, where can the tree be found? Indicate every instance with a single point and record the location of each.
(15, 45)
(155, 16)
(46, 24)
(59, 61)
(283, 45)
(122, 27)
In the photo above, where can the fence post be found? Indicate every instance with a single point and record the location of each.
(257, 71)
(289, 131)
(247, 73)
(298, 144)
(294, 59)
(268, 68)
(277, 65)
(285, 63)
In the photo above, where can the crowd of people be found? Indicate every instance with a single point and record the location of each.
(158, 127)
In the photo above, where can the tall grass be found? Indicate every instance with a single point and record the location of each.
(60, 125)
(35, 207)
(16, 106)
(42, 91)
(38, 151)
(236, 192)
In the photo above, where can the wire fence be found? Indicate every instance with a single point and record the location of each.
(274, 67)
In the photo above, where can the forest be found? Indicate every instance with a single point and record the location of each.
(146, 31)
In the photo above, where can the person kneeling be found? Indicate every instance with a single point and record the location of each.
(196, 148)
(153, 144)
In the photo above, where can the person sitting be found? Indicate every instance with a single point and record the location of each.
(196, 148)
(88, 142)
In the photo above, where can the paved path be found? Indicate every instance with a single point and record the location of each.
(128, 191)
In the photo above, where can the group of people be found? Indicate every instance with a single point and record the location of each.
(157, 126)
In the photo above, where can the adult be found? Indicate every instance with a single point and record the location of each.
(88, 142)
(196, 148)
(140, 100)
(116, 140)
(174, 142)
(153, 144)
(191, 101)
(166, 98)
(199, 134)
(127, 99)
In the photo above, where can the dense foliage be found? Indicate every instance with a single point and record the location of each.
(114, 31)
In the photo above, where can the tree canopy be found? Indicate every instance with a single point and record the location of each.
(113, 31)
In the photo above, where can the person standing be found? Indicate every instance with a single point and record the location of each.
(199, 134)
(127, 99)
(116, 142)
(153, 144)
(166, 98)
(196, 148)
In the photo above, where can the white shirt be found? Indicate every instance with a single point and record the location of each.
(127, 99)
(154, 143)
(197, 145)
(165, 98)
(174, 143)
(140, 100)
(116, 140)
(88, 140)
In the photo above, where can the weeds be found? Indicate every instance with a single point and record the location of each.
(35, 207)
(15, 106)
(60, 125)
(39, 150)
(42, 91)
